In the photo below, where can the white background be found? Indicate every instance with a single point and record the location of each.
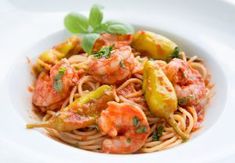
(23, 23)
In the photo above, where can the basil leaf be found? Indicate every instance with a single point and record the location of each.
(88, 42)
(96, 16)
(76, 23)
(120, 29)
(111, 22)
(100, 28)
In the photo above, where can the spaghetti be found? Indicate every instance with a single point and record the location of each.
(129, 90)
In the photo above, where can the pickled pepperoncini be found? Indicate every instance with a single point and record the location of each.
(154, 45)
(160, 95)
(62, 50)
(81, 113)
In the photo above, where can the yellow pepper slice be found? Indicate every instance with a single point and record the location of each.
(81, 113)
(62, 50)
(154, 45)
(160, 95)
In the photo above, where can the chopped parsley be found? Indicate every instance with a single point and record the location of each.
(58, 85)
(136, 121)
(122, 64)
(96, 127)
(175, 53)
(128, 140)
(62, 70)
(104, 52)
(157, 133)
(141, 129)
(183, 101)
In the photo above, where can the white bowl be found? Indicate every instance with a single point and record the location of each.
(22, 104)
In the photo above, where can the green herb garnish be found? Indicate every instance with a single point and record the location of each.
(104, 52)
(157, 133)
(88, 42)
(128, 140)
(95, 16)
(175, 53)
(122, 64)
(58, 85)
(76, 23)
(62, 70)
(185, 100)
(155, 136)
(182, 101)
(136, 121)
(90, 28)
(141, 129)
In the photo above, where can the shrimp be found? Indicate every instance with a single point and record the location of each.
(112, 40)
(45, 94)
(188, 82)
(127, 127)
(114, 69)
